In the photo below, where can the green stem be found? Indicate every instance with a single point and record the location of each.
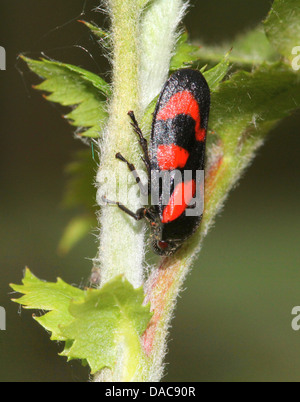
(140, 66)
(121, 239)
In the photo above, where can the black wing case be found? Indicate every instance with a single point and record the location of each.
(181, 118)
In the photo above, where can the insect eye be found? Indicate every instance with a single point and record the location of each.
(163, 245)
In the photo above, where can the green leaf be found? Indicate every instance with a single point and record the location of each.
(146, 121)
(254, 47)
(247, 100)
(78, 228)
(216, 74)
(80, 188)
(185, 53)
(282, 26)
(52, 297)
(80, 193)
(97, 325)
(250, 49)
(73, 86)
(99, 33)
(108, 320)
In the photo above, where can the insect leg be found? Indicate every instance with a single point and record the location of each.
(138, 215)
(132, 169)
(142, 140)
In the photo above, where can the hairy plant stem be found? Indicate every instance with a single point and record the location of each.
(121, 251)
(121, 239)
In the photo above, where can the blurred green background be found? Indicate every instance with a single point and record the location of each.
(233, 321)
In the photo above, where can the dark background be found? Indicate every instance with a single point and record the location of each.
(233, 323)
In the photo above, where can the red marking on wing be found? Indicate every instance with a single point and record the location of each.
(171, 157)
(183, 103)
(179, 200)
(200, 134)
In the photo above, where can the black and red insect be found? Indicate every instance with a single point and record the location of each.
(177, 144)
